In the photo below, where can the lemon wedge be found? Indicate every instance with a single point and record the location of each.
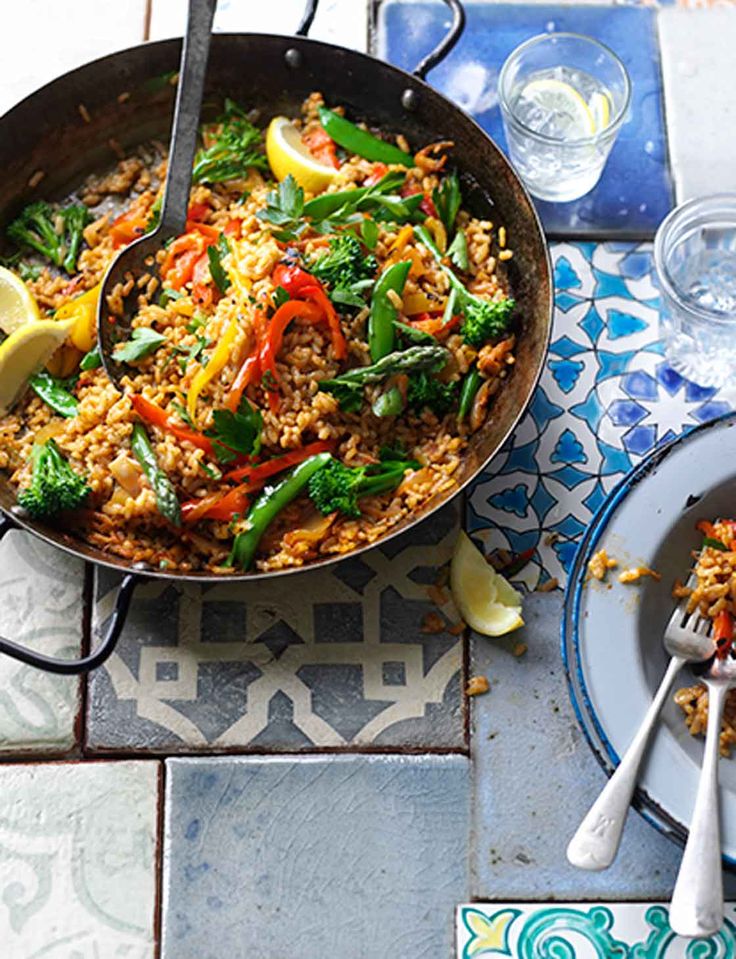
(17, 305)
(565, 114)
(288, 155)
(24, 353)
(486, 601)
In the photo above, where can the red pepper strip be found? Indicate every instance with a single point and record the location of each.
(318, 296)
(292, 278)
(322, 147)
(219, 505)
(210, 233)
(428, 323)
(723, 633)
(202, 292)
(427, 205)
(254, 476)
(277, 326)
(181, 256)
(250, 371)
(198, 211)
(233, 229)
(378, 172)
(128, 227)
(153, 414)
(706, 528)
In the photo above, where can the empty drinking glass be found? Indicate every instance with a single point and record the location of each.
(695, 258)
(563, 99)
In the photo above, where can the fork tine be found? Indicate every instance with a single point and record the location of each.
(680, 615)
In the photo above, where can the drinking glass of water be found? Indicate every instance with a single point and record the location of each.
(563, 99)
(695, 258)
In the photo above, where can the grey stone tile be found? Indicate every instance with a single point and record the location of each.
(697, 72)
(356, 856)
(331, 658)
(535, 778)
(41, 589)
(77, 860)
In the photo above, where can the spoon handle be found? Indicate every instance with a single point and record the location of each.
(595, 844)
(185, 128)
(697, 902)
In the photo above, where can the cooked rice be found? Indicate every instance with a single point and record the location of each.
(128, 524)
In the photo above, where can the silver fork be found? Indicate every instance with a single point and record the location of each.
(697, 902)
(595, 844)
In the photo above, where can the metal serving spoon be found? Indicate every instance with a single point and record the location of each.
(137, 259)
(595, 844)
(697, 902)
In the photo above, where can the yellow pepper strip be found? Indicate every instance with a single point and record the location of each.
(421, 303)
(83, 310)
(437, 229)
(404, 235)
(217, 361)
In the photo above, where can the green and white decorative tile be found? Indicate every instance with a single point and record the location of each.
(77, 860)
(583, 931)
(42, 590)
(333, 658)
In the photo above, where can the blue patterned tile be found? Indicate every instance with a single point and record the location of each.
(534, 778)
(597, 411)
(361, 857)
(621, 204)
(256, 667)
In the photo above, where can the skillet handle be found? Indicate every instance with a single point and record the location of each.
(447, 43)
(69, 667)
(307, 18)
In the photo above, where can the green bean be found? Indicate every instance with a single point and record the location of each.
(471, 385)
(166, 498)
(269, 504)
(54, 393)
(355, 140)
(383, 313)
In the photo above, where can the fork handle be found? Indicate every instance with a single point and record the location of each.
(697, 902)
(595, 844)
(185, 128)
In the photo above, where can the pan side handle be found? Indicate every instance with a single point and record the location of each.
(447, 43)
(68, 667)
(307, 18)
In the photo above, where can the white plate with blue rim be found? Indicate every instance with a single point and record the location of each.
(612, 633)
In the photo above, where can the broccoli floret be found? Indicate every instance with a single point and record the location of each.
(55, 234)
(337, 487)
(54, 484)
(236, 146)
(426, 390)
(345, 265)
(484, 320)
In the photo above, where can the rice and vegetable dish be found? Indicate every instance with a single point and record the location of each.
(307, 361)
(713, 594)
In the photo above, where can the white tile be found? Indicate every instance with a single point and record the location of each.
(576, 929)
(344, 22)
(698, 70)
(77, 860)
(44, 38)
(41, 607)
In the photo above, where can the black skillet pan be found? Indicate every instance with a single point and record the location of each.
(273, 73)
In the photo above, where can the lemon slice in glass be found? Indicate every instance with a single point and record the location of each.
(556, 109)
(288, 155)
(486, 601)
(24, 353)
(600, 108)
(17, 305)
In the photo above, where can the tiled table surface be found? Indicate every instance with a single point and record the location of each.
(368, 799)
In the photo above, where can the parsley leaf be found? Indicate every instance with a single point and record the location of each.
(235, 146)
(284, 208)
(458, 251)
(236, 433)
(447, 200)
(218, 271)
(280, 297)
(143, 341)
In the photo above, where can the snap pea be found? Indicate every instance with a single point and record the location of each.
(54, 393)
(91, 360)
(471, 385)
(326, 204)
(383, 315)
(166, 498)
(355, 140)
(388, 403)
(269, 504)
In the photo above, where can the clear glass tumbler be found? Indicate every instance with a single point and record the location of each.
(563, 99)
(695, 259)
